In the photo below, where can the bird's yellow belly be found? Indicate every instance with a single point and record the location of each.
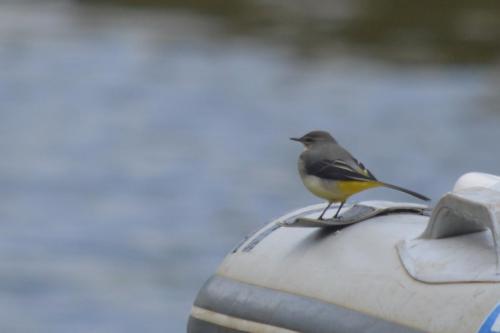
(336, 191)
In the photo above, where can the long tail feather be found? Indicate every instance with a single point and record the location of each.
(415, 194)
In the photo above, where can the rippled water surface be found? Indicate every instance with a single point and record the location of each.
(139, 145)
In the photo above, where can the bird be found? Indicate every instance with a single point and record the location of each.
(330, 172)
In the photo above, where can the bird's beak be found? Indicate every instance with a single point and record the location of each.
(296, 139)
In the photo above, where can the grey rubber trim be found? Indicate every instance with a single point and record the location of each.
(200, 326)
(354, 214)
(281, 309)
(263, 234)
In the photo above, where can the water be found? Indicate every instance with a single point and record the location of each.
(138, 145)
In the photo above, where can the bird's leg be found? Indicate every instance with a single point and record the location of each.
(338, 210)
(321, 216)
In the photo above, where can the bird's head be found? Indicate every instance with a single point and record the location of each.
(315, 137)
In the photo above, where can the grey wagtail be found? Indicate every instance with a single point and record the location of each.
(330, 172)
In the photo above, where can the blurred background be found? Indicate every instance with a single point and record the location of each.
(141, 140)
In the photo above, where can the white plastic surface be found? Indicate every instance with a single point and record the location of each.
(462, 240)
(477, 179)
(359, 268)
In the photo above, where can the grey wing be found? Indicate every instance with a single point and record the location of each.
(363, 170)
(339, 169)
